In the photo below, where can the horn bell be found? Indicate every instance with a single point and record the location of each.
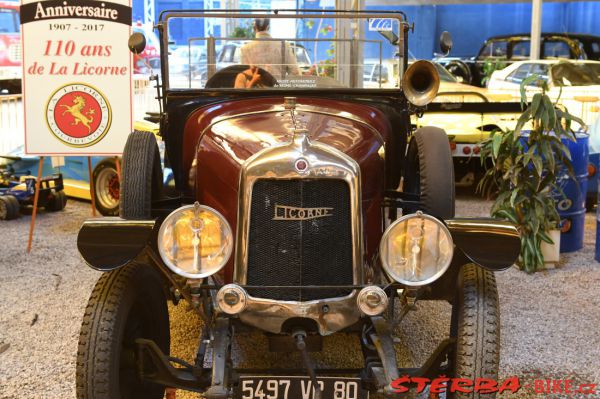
(421, 83)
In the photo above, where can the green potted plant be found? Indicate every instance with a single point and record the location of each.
(522, 171)
(490, 66)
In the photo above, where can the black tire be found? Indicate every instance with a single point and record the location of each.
(460, 70)
(429, 172)
(141, 176)
(107, 188)
(126, 304)
(477, 311)
(9, 207)
(58, 201)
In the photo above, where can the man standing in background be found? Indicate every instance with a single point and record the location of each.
(267, 54)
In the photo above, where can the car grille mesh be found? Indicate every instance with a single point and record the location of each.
(316, 251)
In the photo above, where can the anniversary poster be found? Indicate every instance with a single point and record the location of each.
(77, 84)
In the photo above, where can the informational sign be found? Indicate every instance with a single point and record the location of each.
(77, 84)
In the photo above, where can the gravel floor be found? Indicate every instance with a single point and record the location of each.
(550, 320)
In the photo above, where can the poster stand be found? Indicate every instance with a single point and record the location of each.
(92, 186)
(36, 196)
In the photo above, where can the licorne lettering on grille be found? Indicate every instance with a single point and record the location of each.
(300, 235)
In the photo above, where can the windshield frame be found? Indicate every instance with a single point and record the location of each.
(166, 15)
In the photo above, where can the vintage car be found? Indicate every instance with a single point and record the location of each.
(506, 49)
(468, 114)
(307, 207)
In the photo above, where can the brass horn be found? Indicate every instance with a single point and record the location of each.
(421, 83)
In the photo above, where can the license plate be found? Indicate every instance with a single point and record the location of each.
(299, 388)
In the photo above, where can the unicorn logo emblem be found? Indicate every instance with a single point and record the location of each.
(78, 115)
(76, 112)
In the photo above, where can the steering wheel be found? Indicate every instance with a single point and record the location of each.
(225, 78)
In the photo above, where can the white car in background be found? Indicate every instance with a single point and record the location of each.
(575, 84)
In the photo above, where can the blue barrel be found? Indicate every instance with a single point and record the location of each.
(571, 206)
(593, 171)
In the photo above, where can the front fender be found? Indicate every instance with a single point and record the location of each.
(111, 242)
(490, 243)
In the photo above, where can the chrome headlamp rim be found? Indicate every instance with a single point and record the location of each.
(384, 240)
(178, 270)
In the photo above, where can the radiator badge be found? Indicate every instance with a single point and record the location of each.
(283, 212)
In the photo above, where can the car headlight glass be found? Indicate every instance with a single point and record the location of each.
(195, 241)
(416, 249)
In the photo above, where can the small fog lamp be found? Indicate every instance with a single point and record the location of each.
(195, 241)
(372, 300)
(416, 249)
(232, 299)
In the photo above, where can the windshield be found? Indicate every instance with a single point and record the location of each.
(284, 51)
(569, 74)
(9, 21)
(445, 76)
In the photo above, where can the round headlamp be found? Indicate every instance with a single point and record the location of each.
(195, 241)
(416, 249)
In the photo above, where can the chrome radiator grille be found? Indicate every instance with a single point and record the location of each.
(300, 235)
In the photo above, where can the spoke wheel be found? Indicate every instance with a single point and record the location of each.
(107, 188)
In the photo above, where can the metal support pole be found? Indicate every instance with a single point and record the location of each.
(536, 29)
(92, 186)
(36, 197)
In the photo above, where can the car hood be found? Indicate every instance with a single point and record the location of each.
(227, 134)
(220, 138)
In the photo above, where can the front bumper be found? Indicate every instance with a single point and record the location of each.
(330, 315)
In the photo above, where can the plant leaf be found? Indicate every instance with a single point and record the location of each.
(537, 162)
(551, 112)
(526, 82)
(496, 141)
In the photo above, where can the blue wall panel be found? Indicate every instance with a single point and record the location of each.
(471, 24)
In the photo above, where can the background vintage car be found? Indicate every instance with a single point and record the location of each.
(574, 84)
(468, 114)
(503, 50)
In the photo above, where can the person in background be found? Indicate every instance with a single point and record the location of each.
(248, 79)
(266, 54)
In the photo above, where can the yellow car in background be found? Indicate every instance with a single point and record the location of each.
(468, 114)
